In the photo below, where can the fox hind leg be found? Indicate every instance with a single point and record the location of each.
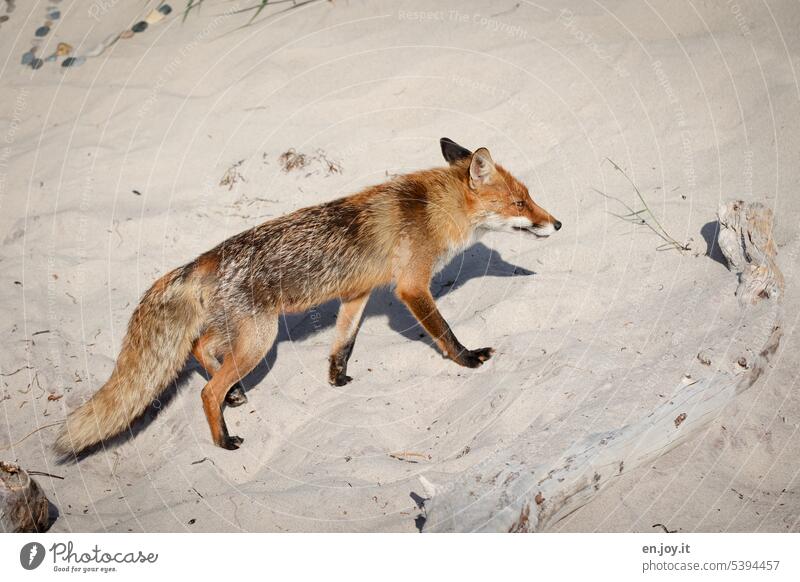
(347, 324)
(254, 337)
(204, 351)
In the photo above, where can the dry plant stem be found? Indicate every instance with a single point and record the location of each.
(669, 242)
(33, 432)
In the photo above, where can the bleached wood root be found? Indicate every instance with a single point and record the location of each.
(745, 238)
(507, 494)
(23, 505)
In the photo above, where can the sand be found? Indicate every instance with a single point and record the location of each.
(134, 162)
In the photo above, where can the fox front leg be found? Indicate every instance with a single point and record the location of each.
(347, 324)
(421, 303)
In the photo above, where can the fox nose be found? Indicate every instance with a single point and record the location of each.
(557, 225)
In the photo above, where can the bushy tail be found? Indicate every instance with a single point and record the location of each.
(158, 341)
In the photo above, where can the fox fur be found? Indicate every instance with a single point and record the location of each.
(223, 307)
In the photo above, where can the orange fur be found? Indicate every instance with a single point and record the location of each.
(223, 307)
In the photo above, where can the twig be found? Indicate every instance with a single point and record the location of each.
(43, 474)
(32, 433)
(402, 456)
(17, 371)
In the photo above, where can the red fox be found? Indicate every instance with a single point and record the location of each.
(223, 307)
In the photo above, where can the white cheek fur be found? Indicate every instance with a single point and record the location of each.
(505, 223)
(544, 230)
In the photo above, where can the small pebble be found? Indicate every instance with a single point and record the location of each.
(51, 58)
(126, 34)
(54, 15)
(42, 31)
(27, 58)
(73, 61)
(37, 63)
(140, 26)
(4, 18)
(165, 9)
(63, 49)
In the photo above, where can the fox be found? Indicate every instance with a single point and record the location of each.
(224, 306)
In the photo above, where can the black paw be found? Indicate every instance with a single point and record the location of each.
(474, 358)
(236, 396)
(231, 442)
(340, 379)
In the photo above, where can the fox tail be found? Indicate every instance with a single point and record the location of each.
(159, 339)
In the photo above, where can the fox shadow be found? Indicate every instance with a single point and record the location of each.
(476, 262)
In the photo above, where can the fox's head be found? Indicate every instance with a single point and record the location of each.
(501, 202)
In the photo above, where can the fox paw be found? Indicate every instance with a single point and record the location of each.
(231, 442)
(340, 379)
(474, 358)
(236, 396)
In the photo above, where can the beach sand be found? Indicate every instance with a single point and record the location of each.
(134, 162)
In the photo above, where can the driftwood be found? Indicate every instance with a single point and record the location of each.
(24, 508)
(745, 238)
(507, 494)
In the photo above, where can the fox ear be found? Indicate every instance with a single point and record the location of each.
(453, 152)
(481, 168)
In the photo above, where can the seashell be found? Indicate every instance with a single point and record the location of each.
(154, 16)
(126, 34)
(140, 26)
(63, 49)
(100, 47)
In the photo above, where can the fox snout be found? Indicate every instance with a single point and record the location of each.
(536, 221)
(543, 223)
(545, 228)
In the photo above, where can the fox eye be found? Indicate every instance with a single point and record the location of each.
(520, 204)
